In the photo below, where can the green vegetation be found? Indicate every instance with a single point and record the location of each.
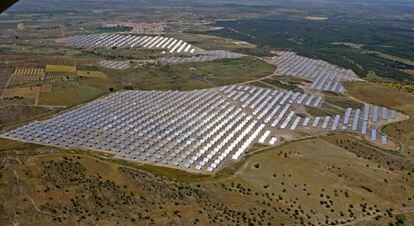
(180, 76)
(285, 82)
(317, 39)
(74, 92)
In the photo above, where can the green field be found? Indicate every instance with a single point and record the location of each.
(81, 90)
(179, 77)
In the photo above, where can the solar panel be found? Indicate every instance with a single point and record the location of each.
(347, 116)
(273, 141)
(287, 120)
(306, 122)
(384, 139)
(295, 123)
(364, 127)
(336, 121)
(356, 119)
(280, 116)
(375, 115)
(393, 114)
(366, 112)
(326, 122)
(302, 98)
(384, 113)
(316, 122)
(373, 134)
(308, 102)
(317, 102)
(264, 137)
(194, 129)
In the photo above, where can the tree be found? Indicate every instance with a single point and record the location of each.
(400, 219)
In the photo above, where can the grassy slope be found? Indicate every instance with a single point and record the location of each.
(301, 180)
(70, 93)
(15, 113)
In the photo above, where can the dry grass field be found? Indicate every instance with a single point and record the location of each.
(5, 74)
(403, 131)
(324, 183)
(25, 92)
(12, 114)
(313, 181)
(77, 91)
(91, 74)
(380, 95)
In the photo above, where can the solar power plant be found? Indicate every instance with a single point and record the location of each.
(192, 130)
(208, 56)
(115, 65)
(324, 76)
(106, 40)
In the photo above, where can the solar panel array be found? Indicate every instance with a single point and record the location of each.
(106, 40)
(115, 65)
(192, 130)
(366, 120)
(324, 76)
(208, 56)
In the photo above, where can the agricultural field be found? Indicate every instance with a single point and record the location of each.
(28, 74)
(43, 80)
(60, 68)
(24, 92)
